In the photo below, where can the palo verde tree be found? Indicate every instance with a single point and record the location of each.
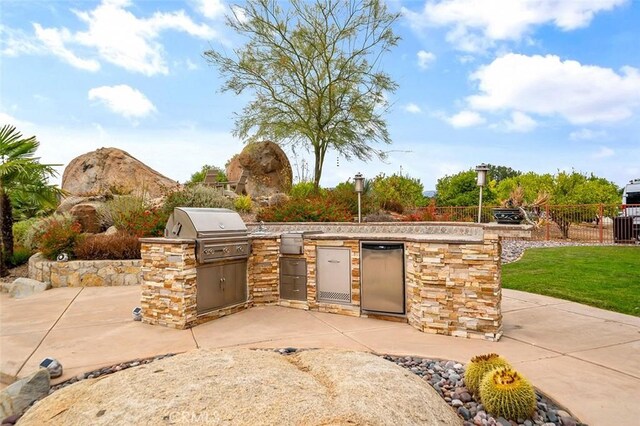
(23, 179)
(314, 69)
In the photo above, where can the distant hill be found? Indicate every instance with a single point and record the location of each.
(429, 194)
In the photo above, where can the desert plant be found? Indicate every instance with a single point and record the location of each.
(196, 196)
(133, 215)
(100, 246)
(243, 204)
(20, 256)
(479, 366)
(59, 236)
(397, 193)
(506, 393)
(278, 199)
(379, 216)
(20, 230)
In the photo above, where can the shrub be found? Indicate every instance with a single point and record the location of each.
(116, 246)
(196, 196)
(302, 190)
(34, 233)
(133, 215)
(479, 366)
(396, 193)
(20, 256)
(314, 209)
(428, 214)
(243, 204)
(278, 199)
(379, 217)
(505, 393)
(20, 230)
(60, 236)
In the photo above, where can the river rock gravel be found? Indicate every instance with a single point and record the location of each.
(512, 250)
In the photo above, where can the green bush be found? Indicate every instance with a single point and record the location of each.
(243, 204)
(20, 230)
(313, 209)
(397, 193)
(20, 256)
(59, 236)
(196, 196)
(302, 190)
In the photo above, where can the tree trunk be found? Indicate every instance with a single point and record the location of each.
(6, 227)
(317, 169)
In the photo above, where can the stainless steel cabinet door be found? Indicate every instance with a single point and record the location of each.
(210, 294)
(235, 282)
(382, 278)
(334, 274)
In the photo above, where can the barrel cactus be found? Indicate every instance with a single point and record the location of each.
(504, 392)
(479, 366)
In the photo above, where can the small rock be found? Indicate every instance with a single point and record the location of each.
(457, 366)
(503, 422)
(528, 423)
(464, 413)
(551, 416)
(11, 420)
(455, 403)
(465, 397)
(567, 420)
(25, 287)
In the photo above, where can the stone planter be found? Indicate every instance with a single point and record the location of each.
(508, 216)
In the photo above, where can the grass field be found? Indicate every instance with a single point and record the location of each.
(604, 277)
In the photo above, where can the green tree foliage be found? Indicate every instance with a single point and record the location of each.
(397, 193)
(500, 173)
(314, 69)
(198, 177)
(566, 191)
(22, 178)
(461, 189)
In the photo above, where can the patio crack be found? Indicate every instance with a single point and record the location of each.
(48, 332)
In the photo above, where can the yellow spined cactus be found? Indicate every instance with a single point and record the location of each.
(504, 392)
(479, 366)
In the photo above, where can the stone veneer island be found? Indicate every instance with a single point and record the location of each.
(452, 274)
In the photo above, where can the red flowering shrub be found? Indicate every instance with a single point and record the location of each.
(143, 223)
(59, 236)
(427, 214)
(314, 209)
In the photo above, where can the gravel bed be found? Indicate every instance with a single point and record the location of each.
(446, 377)
(512, 250)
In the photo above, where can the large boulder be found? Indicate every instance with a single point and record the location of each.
(87, 215)
(24, 287)
(19, 395)
(268, 166)
(111, 170)
(249, 387)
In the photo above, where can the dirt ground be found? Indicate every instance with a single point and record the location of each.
(17, 272)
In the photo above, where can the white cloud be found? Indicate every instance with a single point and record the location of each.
(123, 100)
(520, 122)
(191, 66)
(465, 119)
(113, 34)
(586, 134)
(210, 8)
(476, 25)
(603, 152)
(425, 59)
(21, 125)
(412, 108)
(545, 85)
(54, 41)
(240, 14)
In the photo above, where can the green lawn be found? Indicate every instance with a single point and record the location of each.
(604, 277)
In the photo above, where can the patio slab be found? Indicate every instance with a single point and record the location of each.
(585, 358)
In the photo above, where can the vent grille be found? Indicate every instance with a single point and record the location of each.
(334, 296)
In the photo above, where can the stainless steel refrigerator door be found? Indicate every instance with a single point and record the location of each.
(383, 278)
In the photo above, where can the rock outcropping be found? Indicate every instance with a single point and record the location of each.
(268, 166)
(247, 387)
(113, 170)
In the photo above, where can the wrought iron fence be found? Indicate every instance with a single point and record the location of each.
(598, 223)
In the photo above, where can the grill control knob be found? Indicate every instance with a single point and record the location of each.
(225, 250)
(239, 249)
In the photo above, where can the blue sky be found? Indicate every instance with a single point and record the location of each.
(540, 85)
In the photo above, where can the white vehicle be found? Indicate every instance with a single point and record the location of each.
(631, 203)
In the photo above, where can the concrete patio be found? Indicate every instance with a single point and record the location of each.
(585, 358)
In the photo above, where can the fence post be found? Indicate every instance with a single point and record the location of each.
(600, 222)
(547, 222)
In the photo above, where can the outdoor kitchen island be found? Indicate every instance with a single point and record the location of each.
(451, 274)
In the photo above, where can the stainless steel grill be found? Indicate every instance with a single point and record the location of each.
(222, 249)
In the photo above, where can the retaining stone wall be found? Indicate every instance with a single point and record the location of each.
(85, 273)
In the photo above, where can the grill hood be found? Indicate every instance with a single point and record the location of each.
(198, 223)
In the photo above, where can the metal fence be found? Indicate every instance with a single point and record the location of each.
(597, 223)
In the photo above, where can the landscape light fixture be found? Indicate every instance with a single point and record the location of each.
(359, 182)
(482, 170)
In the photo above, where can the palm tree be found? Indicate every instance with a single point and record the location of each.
(21, 175)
